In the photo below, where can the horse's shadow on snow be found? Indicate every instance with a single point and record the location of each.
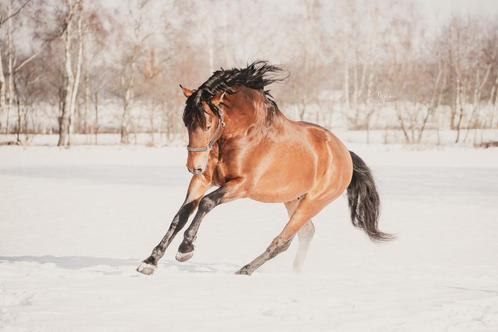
(118, 265)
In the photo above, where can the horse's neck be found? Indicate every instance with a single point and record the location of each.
(257, 132)
(253, 115)
(244, 121)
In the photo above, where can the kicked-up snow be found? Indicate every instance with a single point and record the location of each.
(75, 224)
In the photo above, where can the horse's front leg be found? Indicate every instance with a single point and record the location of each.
(198, 186)
(234, 189)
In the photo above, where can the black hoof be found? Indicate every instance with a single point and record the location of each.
(246, 271)
(185, 251)
(184, 256)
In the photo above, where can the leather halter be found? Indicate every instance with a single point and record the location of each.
(217, 133)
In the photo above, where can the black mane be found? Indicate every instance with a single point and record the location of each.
(256, 76)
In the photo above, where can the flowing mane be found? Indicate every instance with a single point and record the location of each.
(257, 75)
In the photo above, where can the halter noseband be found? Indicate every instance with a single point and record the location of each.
(217, 133)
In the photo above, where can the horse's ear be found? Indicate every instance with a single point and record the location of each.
(186, 91)
(218, 99)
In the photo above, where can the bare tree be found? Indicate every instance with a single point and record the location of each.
(71, 75)
(353, 63)
(8, 94)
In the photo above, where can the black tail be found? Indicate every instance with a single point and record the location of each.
(364, 200)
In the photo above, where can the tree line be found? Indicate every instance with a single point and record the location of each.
(91, 67)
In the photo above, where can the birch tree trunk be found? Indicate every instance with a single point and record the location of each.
(86, 103)
(6, 95)
(460, 102)
(477, 100)
(346, 82)
(96, 121)
(2, 91)
(402, 123)
(305, 88)
(10, 64)
(368, 98)
(355, 89)
(65, 117)
(152, 128)
(20, 124)
(125, 119)
(71, 82)
(76, 83)
(433, 105)
(493, 99)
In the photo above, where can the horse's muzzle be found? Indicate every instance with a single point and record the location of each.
(196, 170)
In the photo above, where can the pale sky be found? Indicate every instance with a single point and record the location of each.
(444, 7)
(449, 7)
(437, 12)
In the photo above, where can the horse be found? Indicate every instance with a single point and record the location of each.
(240, 142)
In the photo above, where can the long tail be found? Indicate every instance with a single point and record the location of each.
(364, 201)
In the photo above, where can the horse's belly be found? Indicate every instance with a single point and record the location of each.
(275, 197)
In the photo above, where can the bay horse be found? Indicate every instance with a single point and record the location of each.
(240, 142)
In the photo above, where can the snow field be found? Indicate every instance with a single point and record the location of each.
(75, 223)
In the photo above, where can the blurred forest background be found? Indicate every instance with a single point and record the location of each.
(100, 72)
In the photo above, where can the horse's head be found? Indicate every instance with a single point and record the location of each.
(204, 122)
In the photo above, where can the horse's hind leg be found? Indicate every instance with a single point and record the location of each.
(305, 236)
(305, 210)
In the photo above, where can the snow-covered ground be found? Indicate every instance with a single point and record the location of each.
(75, 223)
(431, 137)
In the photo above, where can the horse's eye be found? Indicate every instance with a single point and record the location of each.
(208, 127)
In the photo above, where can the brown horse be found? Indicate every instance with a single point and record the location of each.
(240, 142)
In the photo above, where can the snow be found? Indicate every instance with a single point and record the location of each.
(75, 223)
(431, 137)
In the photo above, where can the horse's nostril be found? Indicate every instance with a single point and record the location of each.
(195, 171)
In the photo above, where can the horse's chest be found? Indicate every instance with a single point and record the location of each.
(219, 176)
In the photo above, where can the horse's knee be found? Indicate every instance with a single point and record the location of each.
(285, 246)
(277, 246)
(185, 211)
(207, 204)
